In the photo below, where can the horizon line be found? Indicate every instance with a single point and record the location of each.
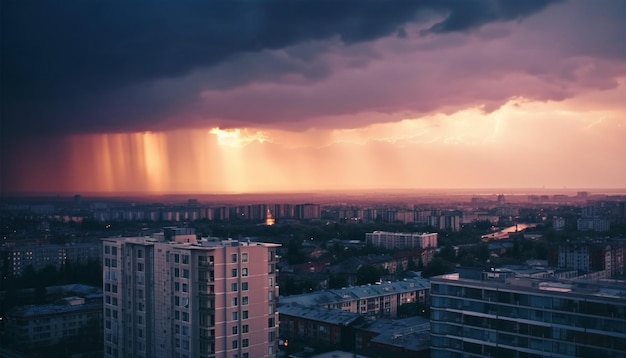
(422, 191)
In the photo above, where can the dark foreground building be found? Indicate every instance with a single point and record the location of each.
(502, 314)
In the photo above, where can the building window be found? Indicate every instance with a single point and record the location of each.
(185, 287)
(176, 258)
(139, 253)
(235, 330)
(176, 272)
(234, 316)
(244, 286)
(185, 273)
(107, 249)
(235, 344)
(271, 281)
(245, 328)
(139, 266)
(235, 301)
(244, 315)
(244, 257)
(233, 273)
(233, 257)
(233, 287)
(244, 300)
(244, 272)
(244, 342)
(185, 259)
(270, 322)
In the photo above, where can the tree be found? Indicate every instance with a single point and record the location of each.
(437, 266)
(367, 274)
(337, 281)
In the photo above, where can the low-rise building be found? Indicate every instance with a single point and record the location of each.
(373, 300)
(401, 240)
(79, 314)
(317, 326)
(404, 338)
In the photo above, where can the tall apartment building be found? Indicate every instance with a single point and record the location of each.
(173, 296)
(502, 314)
(400, 240)
(592, 255)
(307, 211)
(593, 224)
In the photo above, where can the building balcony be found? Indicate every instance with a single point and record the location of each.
(207, 338)
(210, 310)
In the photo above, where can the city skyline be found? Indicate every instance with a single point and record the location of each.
(313, 96)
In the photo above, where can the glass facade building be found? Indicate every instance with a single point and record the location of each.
(501, 315)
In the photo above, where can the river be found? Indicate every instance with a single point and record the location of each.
(504, 233)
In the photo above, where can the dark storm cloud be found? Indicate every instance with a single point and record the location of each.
(469, 14)
(66, 64)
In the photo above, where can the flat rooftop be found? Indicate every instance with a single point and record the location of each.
(411, 333)
(615, 289)
(320, 314)
(358, 292)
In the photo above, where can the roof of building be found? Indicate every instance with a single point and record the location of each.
(402, 233)
(338, 354)
(320, 314)
(613, 289)
(411, 333)
(76, 297)
(204, 243)
(62, 306)
(359, 292)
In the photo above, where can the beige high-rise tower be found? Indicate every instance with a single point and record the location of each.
(173, 296)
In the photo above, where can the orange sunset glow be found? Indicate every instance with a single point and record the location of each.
(438, 151)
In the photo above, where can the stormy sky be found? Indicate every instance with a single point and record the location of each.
(285, 95)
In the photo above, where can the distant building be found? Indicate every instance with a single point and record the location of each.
(502, 315)
(593, 224)
(558, 223)
(398, 240)
(173, 296)
(16, 258)
(307, 212)
(608, 255)
(373, 300)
